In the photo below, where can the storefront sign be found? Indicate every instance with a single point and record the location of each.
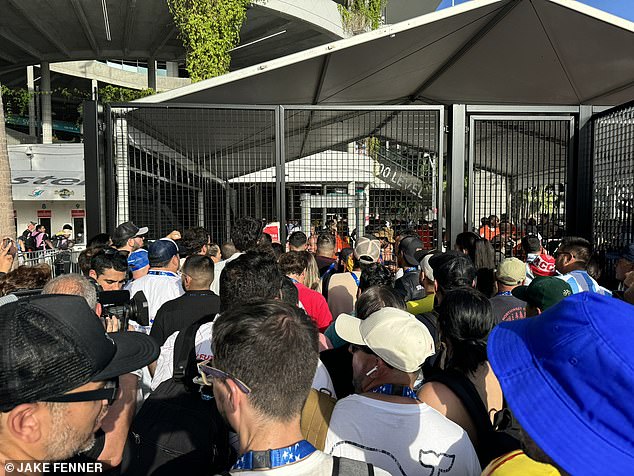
(78, 213)
(44, 213)
(47, 185)
(273, 230)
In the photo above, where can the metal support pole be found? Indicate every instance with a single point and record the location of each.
(47, 114)
(122, 168)
(95, 171)
(30, 84)
(151, 74)
(456, 174)
(579, 220)
(280, 171)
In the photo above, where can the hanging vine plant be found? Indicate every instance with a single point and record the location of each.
(359, 16)
(209, 30)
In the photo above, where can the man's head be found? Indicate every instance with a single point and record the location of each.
(40, 228)
(326, 245)
(247, 395)
(250, 277)
(245, 233)
(389, 346)
(197, 273)
(575, 362)
(74, 285)
(163, 254)
(31, 225)
(367, 251)
(128, 236)
(531, 244)
(227, 250)
(293, 264)
(542, 293)
(573, 253)
(452, 270)
(625, 261)
(408, 249)
(55, 366)
(297, 241)
(510, 273)
(196, 241)
(108, 268)
(67, 230)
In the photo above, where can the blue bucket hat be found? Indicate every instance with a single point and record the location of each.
(138, 259)
(568, 376)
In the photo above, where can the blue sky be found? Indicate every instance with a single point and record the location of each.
(621, 8)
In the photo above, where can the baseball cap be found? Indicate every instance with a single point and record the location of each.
(409, 246)
(426, 267)
(395, 335)
(627, 252)
(452, 269)
(367, 251)
(542, 265)
(52, 344)
(138, 259)
(128, 230)
(577, 360)
(511, 272)
(161, 250)
(31, 222)
(543, 291)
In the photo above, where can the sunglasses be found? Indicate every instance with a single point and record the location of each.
(209, 373)
(108, 392)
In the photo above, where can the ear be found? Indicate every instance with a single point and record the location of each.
(186, 280)
(98, 309)
(93, 274)
(24, 422)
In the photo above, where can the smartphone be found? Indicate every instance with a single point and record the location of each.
(9, 242)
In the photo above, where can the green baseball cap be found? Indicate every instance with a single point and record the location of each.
(543, 291)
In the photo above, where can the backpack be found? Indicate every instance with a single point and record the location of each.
(29, 242)
(179, 430)
(495, 439)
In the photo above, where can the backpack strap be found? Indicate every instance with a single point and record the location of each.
(462, 387)
(325, 282)
(349, 467)
(185, 350)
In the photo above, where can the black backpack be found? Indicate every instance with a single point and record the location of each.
(29, 242)
(179, 430)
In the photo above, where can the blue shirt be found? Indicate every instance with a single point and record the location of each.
(580, 281)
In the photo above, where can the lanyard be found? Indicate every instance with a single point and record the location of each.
(410, 270)
(355, 277)
(294, 280)
(505, 293)
(162, 273)
(275, 458)
(400, 390)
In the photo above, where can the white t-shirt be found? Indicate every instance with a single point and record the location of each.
(317, 464)
(165, 364)
(218, 267)
(404, 439)
(158, 289)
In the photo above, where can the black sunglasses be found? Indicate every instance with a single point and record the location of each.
(108, 392)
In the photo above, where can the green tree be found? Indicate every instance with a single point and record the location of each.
(209, 30)
(7, 225)
(359, 16)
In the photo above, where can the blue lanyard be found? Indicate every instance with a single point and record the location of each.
(294, 280)
(400, 390)
(505, 293)
(275, 458)
(162, 273)
(410, 270)
(330, 268)
(355, 277)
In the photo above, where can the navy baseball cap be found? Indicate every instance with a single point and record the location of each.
(627, 253)
(568, 376)
(161, 251)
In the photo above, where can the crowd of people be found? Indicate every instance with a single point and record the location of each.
(375, 355)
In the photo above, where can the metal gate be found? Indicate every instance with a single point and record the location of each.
(517, 174)
(178, 166)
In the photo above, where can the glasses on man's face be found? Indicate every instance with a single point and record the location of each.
(363, 348)
(209, 373)
(108, 392)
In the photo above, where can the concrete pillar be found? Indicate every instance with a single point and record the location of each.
(47, 114)
(324, 210)
(172, 69)
(151, 74)
(201, 208)
(305, 207)
(366, 208)
(30, 84)
(353, 221)
(122, 168)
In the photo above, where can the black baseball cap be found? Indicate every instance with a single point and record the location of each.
(627, 253)
(52, 344)
(411, 246)
(128, 230)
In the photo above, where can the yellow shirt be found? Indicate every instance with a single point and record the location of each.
(516, 463)
(422, 305)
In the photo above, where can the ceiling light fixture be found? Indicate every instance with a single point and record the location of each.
(106, 23)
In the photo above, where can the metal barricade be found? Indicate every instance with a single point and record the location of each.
(60, 261)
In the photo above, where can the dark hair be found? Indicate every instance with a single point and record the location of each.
(25, 277)
(269, 339)
(99, 240)
(227, 250)
(245, 233)
(290, 293)
(200, 268)
(594, 267)
(39, 226)
(293, 262)
(466, 241)
(455, 273)
(250, 277)
(108, 258)
(84, 258)
(375, 274)
(465, 320)
(214, 249)
(278, 249)
(265, 239)
(326, 241)
(297, 239)
(376, 298)
(531, 244)
(580, 247)
(194, 239)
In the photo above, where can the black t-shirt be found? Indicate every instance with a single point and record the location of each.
(508, 308)
(324, 264)
(179, 313)
(338, 362)
(409, 286)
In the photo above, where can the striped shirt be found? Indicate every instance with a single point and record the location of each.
(580, 281)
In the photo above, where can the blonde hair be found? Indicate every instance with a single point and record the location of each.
(311, 278)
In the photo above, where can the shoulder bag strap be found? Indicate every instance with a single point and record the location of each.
(185, 349)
